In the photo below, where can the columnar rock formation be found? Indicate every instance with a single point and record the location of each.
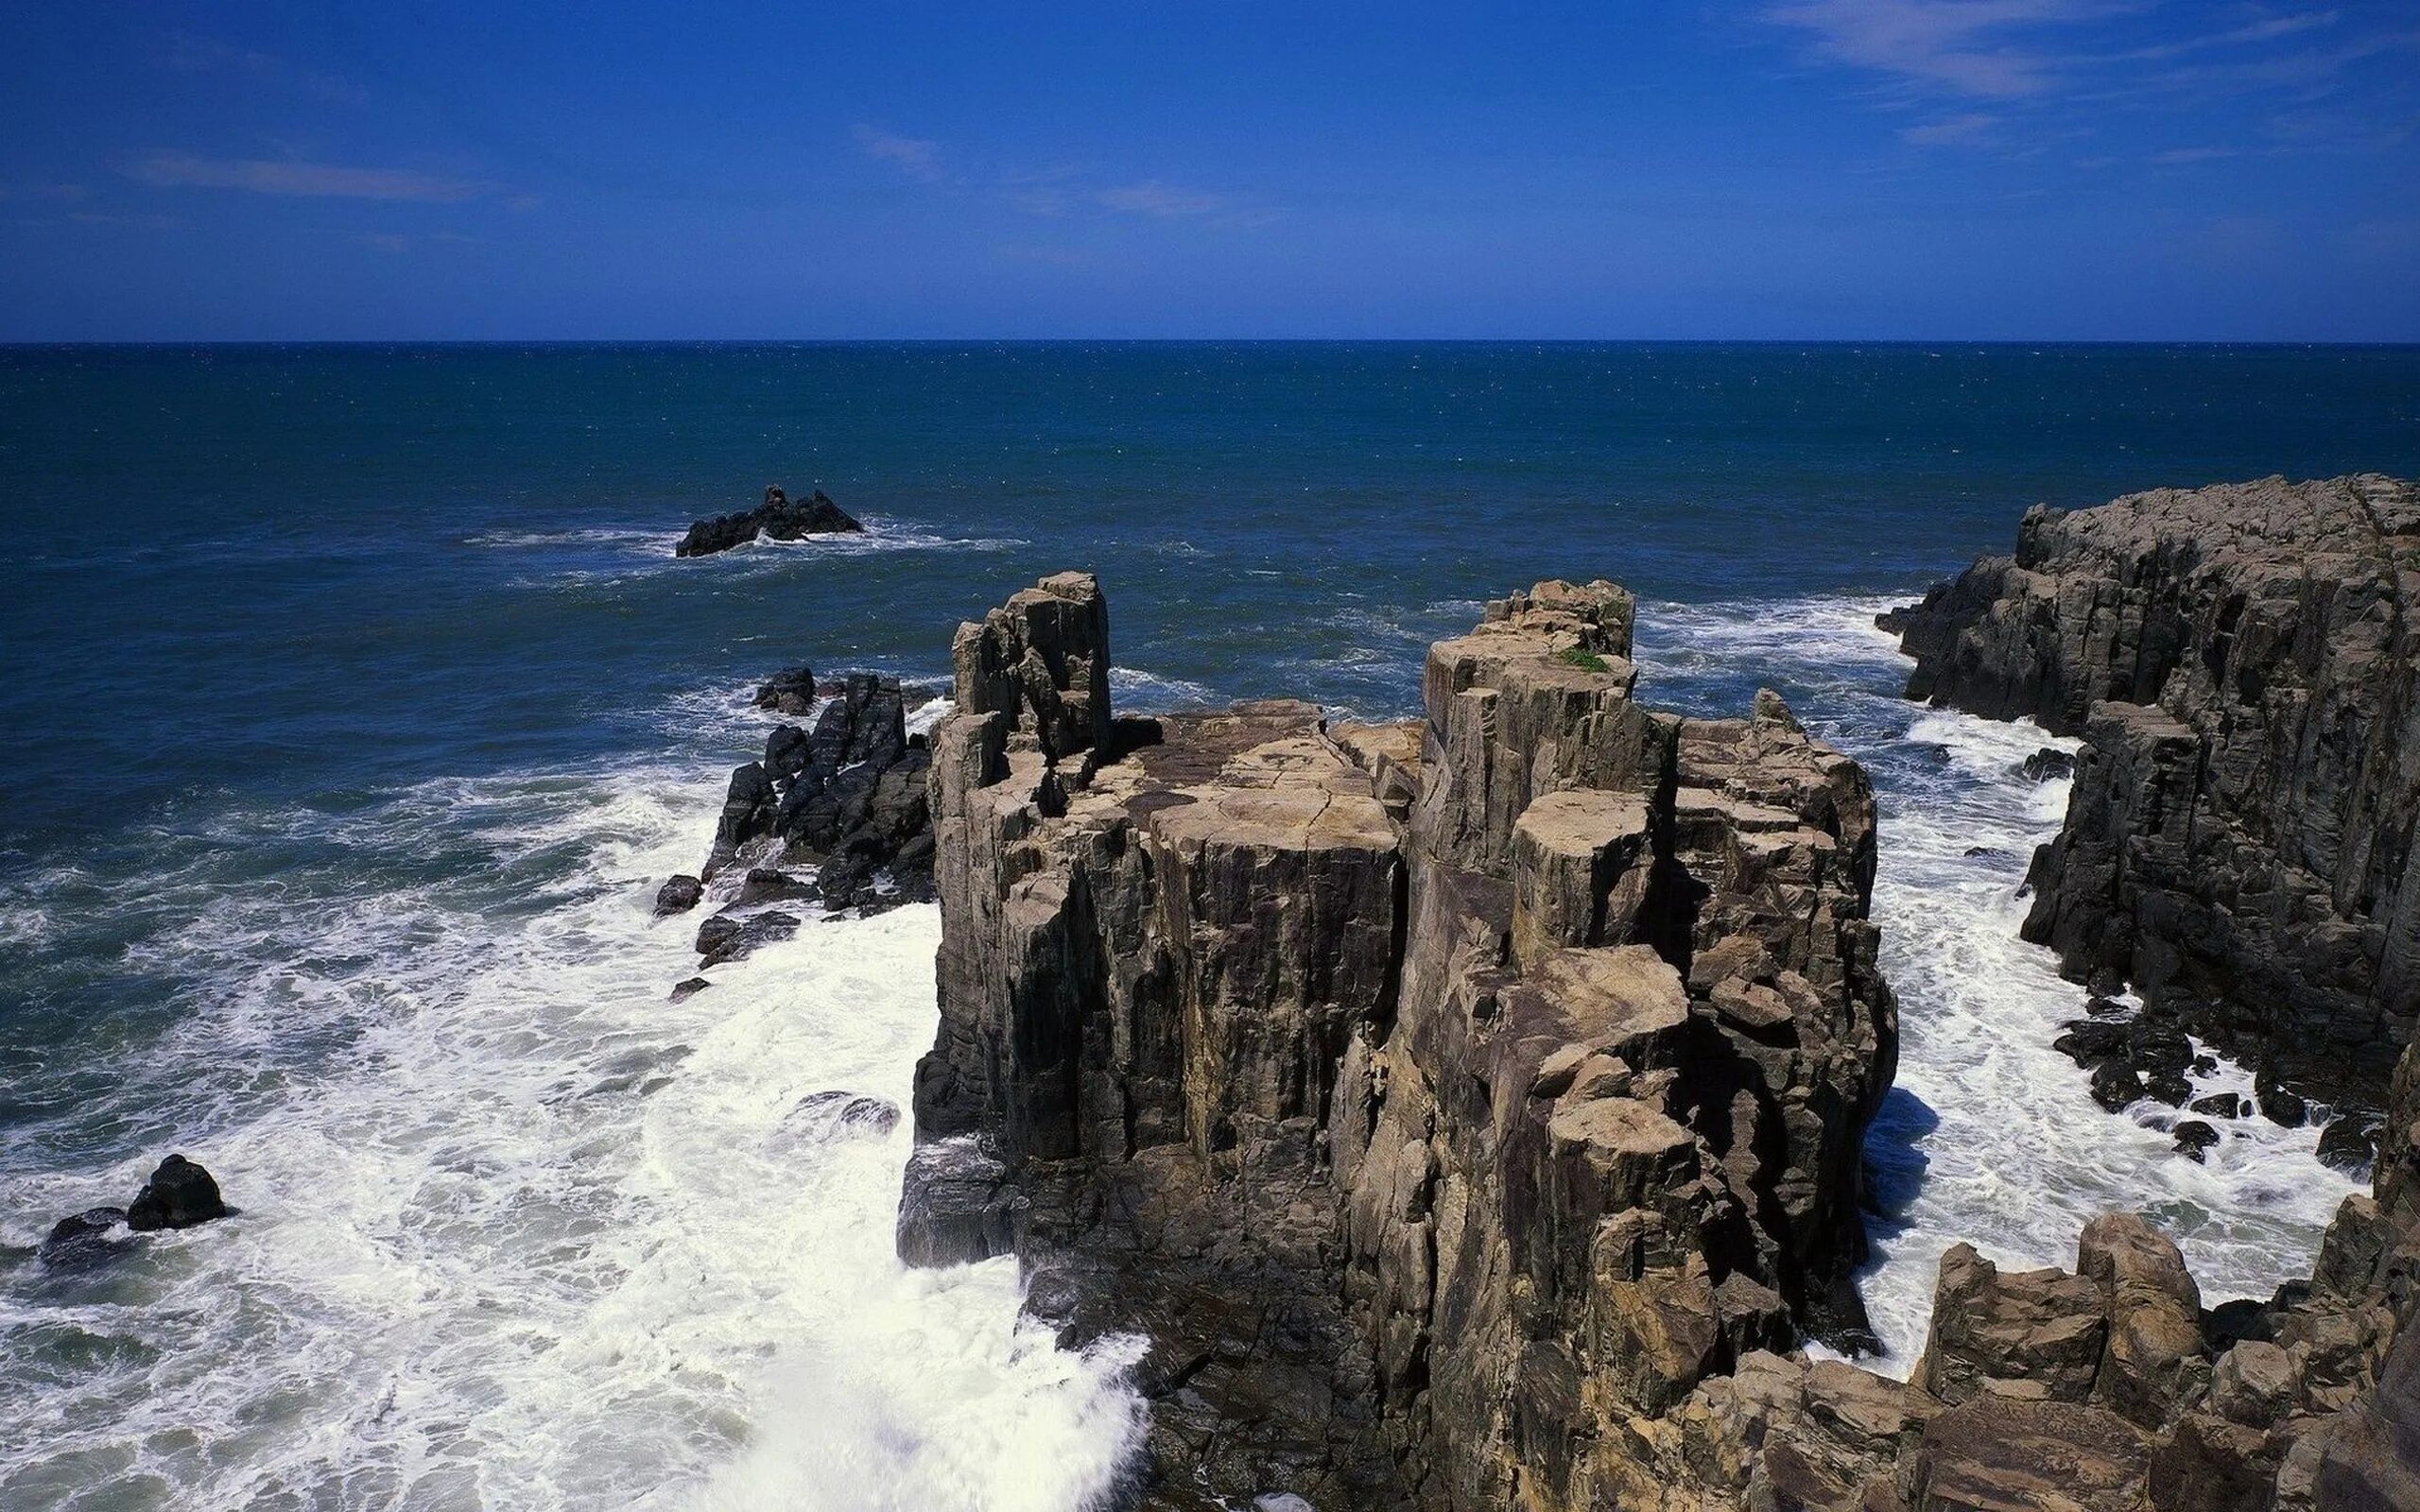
(2242, 667)
(1465, 1114)
(1445, 1101)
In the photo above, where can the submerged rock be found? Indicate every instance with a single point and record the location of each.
(88, 1238)
(729, 938)
(2349, 1143)
(2193, 1137)
(778, 517)
(682, 992)
(179, 1196)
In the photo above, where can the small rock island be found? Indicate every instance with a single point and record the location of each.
(779, 518)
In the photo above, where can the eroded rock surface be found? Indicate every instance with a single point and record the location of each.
(1444, 1100)
(2241, 665)
(1465, 1111)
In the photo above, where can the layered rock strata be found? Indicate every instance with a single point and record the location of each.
(1445, 1102)
(2241, 662)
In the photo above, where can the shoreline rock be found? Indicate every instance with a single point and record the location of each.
(1465, 1113)
(2241, 665)
(1444, 1100)
(779, 517)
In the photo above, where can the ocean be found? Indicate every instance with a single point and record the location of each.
(355, 705)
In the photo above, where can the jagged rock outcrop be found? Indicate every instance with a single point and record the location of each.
(2242, 664)
(1446, 1101)
(779, 517)
(848, 797)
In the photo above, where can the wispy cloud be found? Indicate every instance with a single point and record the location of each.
(2061, 65)
(1948, 131)
(918, 158)
(1165, 200)
(2178, 157)
(1962, 46)
(181, 170)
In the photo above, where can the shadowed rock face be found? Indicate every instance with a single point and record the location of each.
(2241, 665)
(1447, 1101)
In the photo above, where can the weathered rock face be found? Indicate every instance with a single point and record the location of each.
(849, 797)
(779, 517)
(2241, 665)
(1445, 1101)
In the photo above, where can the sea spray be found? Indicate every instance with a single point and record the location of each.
(518, 1231)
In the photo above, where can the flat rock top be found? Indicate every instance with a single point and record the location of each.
(1579, 820)
(2266, 521)
(1258, 774)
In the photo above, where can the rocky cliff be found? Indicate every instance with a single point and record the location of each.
(1443, 1098)
(1465, 1114)
(2242, 666)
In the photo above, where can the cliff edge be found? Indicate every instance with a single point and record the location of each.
(2242, 664)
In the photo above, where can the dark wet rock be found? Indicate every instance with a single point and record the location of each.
(2116, 1085)
(958, 1205)
(2241, 663)
(2090, 1041)
(2279, 1106)
(764, 884)
(2046, 764)
(849, 1112)
(2193, 1137)
(779, 517)
(2168, 1086)
(789, 752)
(790, 692)
(682, 992)
(729, 938)
(88, 1238)
(2220, 1104)
(748, 815)
(2350, 1142)
(179, 1196)
(679, 894)
(1984, 851)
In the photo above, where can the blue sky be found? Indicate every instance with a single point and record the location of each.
(1928, 169)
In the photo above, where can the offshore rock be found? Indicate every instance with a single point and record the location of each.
(2240, 662)
(680, 893)
(778, 517)
(179, 1196)
(1446, 1103)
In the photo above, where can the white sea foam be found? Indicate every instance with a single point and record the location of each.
(524, 1234)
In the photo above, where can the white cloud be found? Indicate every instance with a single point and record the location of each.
(917, 158)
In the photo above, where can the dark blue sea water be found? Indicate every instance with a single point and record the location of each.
(353, 701)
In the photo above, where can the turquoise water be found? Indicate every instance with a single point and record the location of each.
(355, 701)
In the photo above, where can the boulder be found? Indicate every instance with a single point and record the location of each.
(2349, 1143)
(2048, 765)
(683, 991)
(2038, 1333)
(2194, 1138)
(680, 893)
(179, 1196)
(789, 691)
